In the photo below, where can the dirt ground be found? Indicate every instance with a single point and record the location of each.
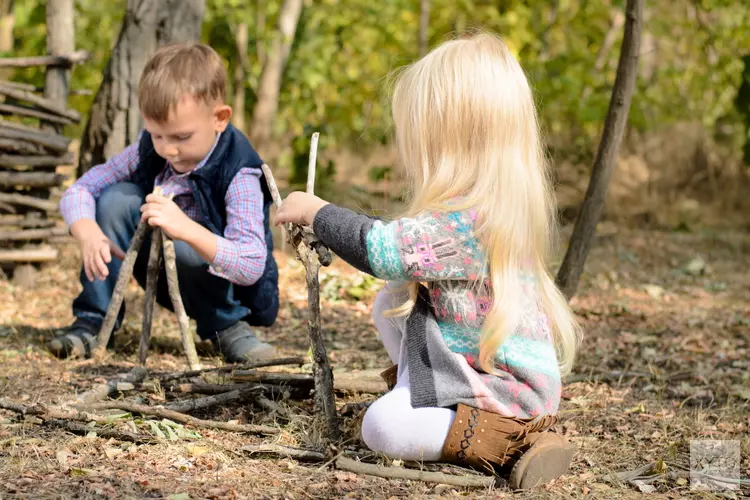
(665, 360)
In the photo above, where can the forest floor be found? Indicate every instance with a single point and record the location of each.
(665, 362)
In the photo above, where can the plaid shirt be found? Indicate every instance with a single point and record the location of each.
(240, 253)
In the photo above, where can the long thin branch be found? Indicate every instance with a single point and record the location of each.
(126, 271)
(285, 452)
(188, 343)
(182, 418)
(228, 369)
(81, 429)
(350, 465)
(108, 390)
(209, 401)
(152, 278)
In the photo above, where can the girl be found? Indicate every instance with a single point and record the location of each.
(478, 332)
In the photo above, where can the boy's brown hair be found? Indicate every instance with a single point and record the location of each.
(178, 69)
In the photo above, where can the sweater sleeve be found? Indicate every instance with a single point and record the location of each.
(428, 247)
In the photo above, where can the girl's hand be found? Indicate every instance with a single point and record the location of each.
(160, 211)
(299, 208)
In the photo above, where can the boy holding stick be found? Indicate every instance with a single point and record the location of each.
(215, 208)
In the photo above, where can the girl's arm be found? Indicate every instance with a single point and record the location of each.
(428, 247)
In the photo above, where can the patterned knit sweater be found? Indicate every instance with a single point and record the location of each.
(440, 249)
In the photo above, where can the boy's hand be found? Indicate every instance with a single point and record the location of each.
(160, 211)
(299, 208)
(97, 249)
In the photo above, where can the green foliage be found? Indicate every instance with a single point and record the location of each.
(337, 76)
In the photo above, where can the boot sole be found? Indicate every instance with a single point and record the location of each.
(541, 465)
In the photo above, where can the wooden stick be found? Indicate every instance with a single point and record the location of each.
(79, 428)
(227, 369)
(350, 465)
(33, 88)
(77, 57)
(321, 369)
(188, 343)
(182, 418)
(126, 271)
(26, 222)
(40, 102)
(270, 406)
(32, 234)
(217, 399)
(152, 279)
(31, 179)
(19, 147)
(285, 452)
(322, 372)
(52, 142)
(311, 163)
(28, 201)
(30, 255)
(292, 379)
(103, 391)
(10, 161)
(34, 113)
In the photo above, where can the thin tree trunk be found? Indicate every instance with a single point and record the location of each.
(114, 119)
(424, 26)
(240, 72)
(270, 80)
(60, 40)
(604, 164)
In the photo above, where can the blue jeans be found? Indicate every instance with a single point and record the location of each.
(208, 299)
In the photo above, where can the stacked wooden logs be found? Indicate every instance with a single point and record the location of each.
(31, 150)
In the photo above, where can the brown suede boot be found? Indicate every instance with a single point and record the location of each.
(489, 441)
(547, 459)
(390, 375)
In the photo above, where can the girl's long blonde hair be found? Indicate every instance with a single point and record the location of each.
(466, 129)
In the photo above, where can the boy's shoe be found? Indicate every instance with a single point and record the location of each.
(238, 344)
(533, 452)
(76, 340)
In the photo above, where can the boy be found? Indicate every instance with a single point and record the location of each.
(219, 218)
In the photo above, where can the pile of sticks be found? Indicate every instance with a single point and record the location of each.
(31, 149)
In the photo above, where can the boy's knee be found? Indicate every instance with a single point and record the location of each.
(188, 260)
(118, 204)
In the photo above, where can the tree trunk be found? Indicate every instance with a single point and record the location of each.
(270, 80)
(424, 26)
(240, 72)
(60, 40)
(114, 120)
(604, 164)
(7, 22)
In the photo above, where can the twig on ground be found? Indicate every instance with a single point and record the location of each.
(270, 406)
(285, 452)
(79, 428)
(108, 390)
(182, 418)
(187, 406)
(350, 465)
(228, 369)
(292, 379)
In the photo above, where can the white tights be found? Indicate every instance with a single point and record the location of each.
(391, 425)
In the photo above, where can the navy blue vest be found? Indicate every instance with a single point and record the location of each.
(209, 185)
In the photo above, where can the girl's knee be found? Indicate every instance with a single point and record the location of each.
(380, 427)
